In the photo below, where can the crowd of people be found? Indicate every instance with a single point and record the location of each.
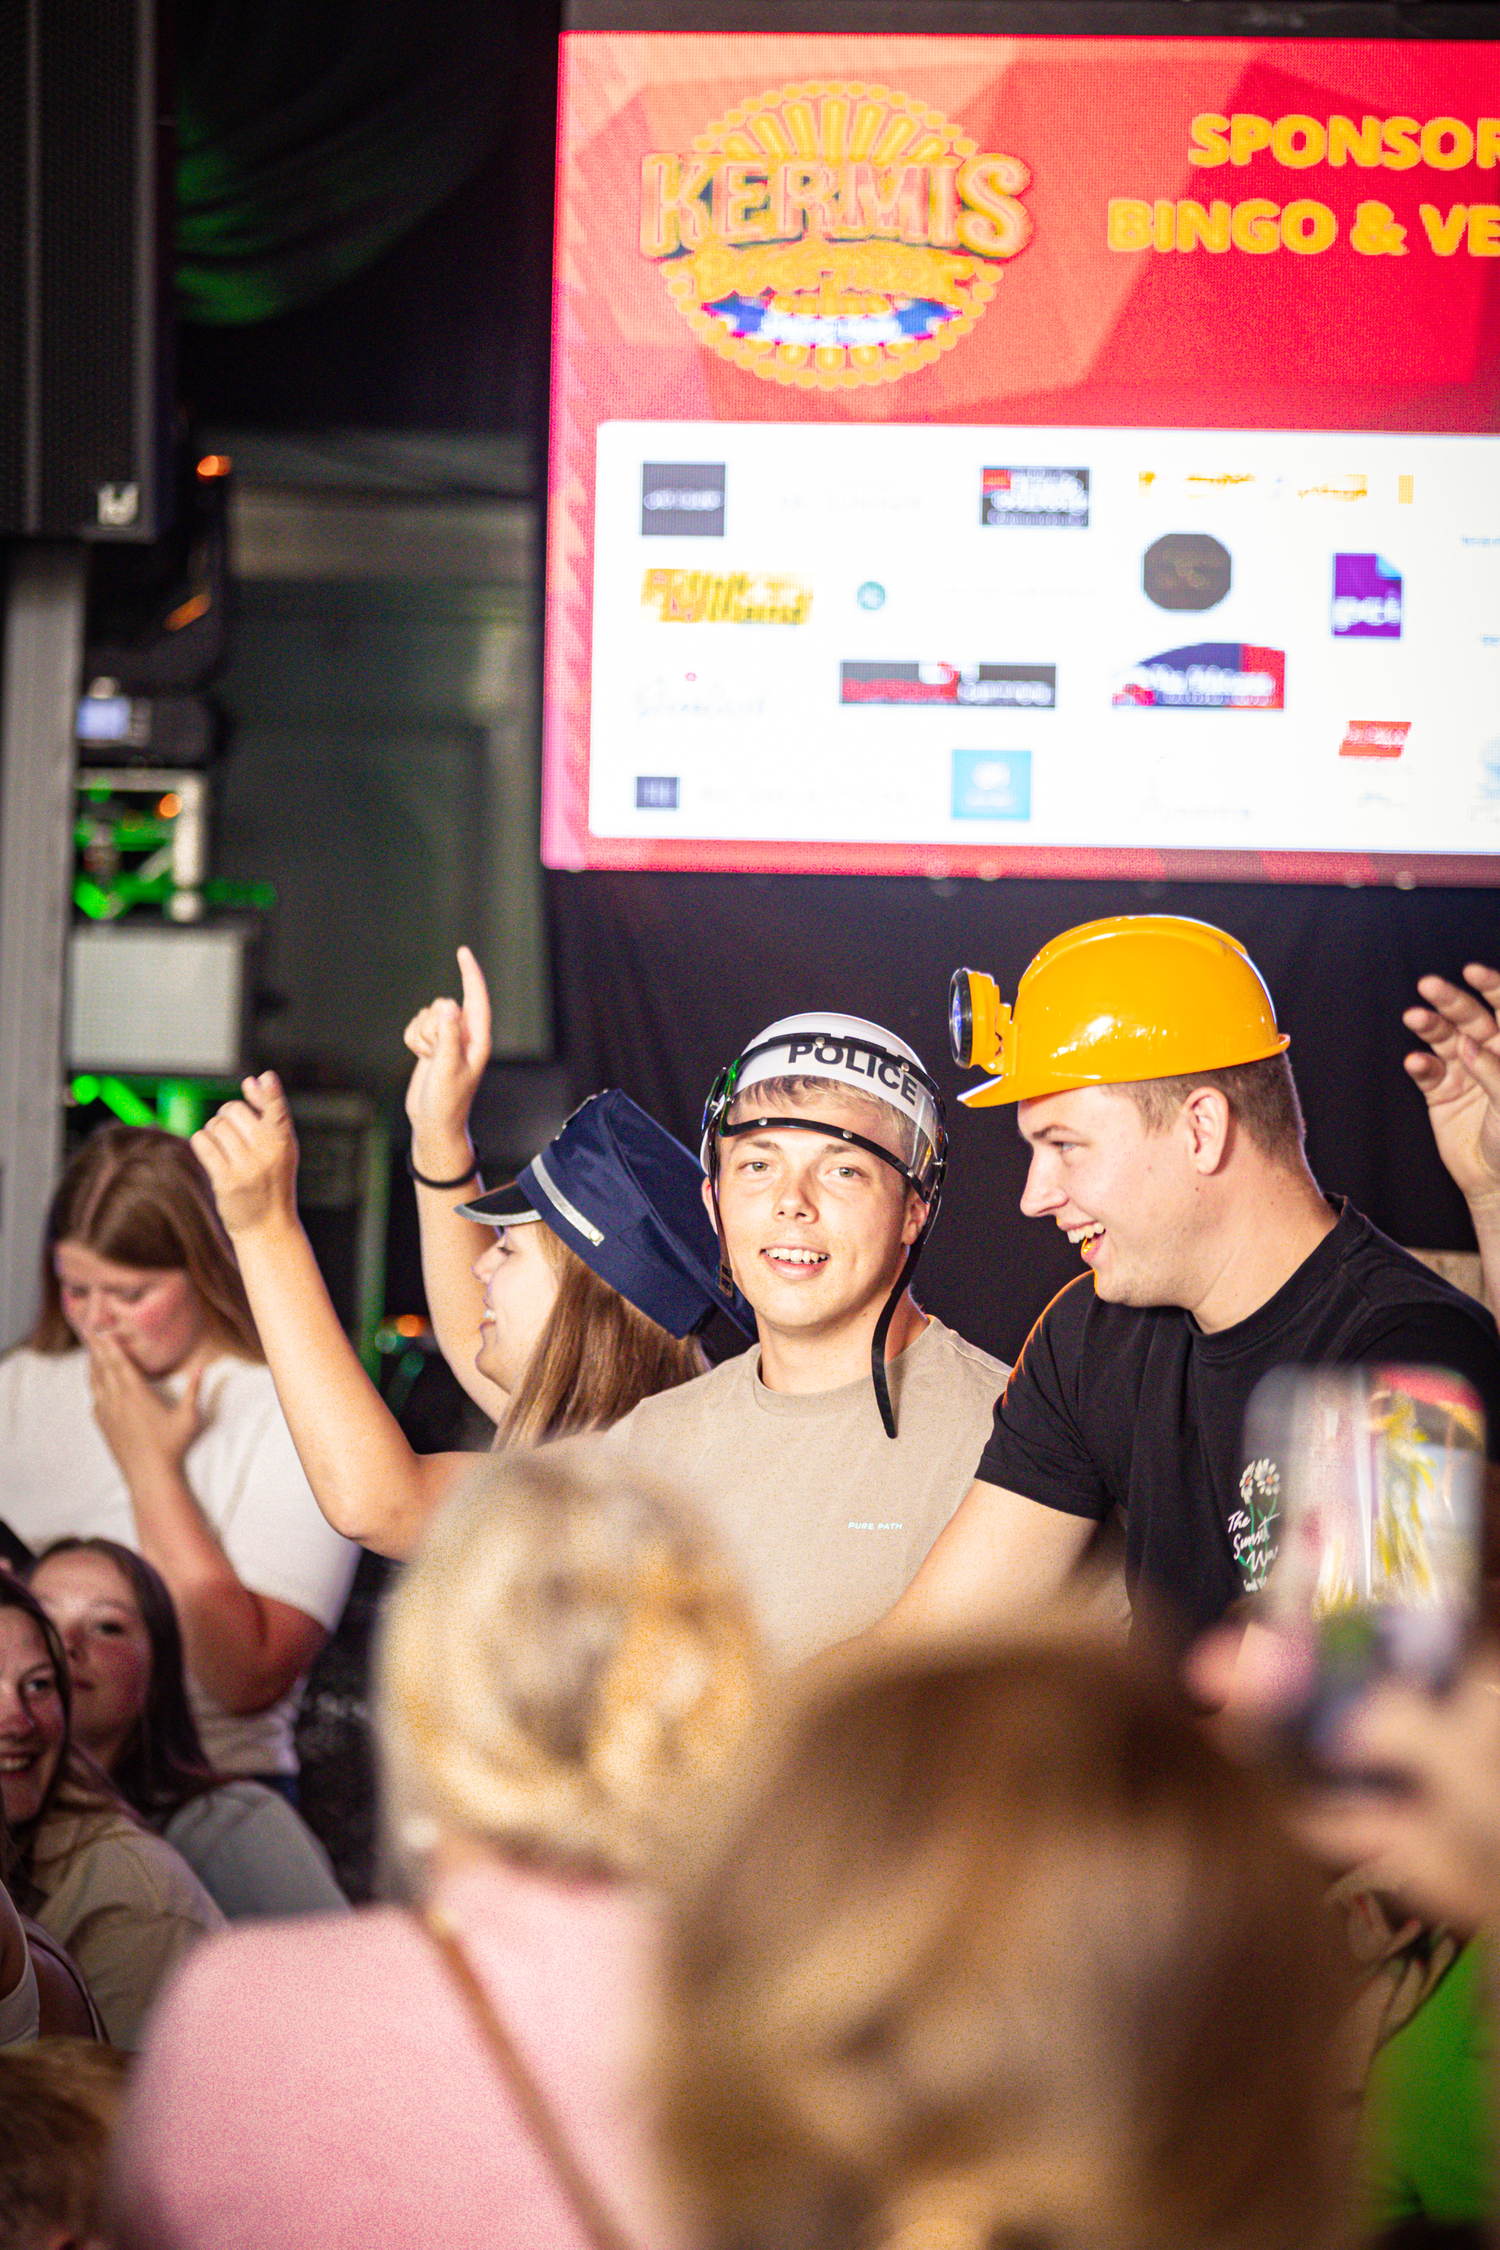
(837, 1798)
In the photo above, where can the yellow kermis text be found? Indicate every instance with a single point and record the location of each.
(1394, 144)
(960, 206)
(1259, 226)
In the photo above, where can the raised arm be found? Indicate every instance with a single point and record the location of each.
(451, 1041)
(365, 1477)
(1458, 1070)
(1000, 1561)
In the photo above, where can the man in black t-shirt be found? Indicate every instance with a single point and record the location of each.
(1167, 1140)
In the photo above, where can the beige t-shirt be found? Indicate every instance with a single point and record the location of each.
(827, 1516)
(125, 1905)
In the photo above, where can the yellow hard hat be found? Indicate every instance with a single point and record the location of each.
(1135, 996)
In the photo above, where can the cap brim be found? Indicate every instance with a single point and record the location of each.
(502, 1207)
(997, 1090)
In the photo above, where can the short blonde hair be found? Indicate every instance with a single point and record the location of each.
(564, 1669)
(891, 1126)
(1001, 1951)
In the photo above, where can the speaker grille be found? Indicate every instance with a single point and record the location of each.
(81, 280)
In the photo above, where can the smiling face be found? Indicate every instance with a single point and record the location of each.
(1128, 1197)
(32, 1723)
(156, 1316)
(109, 1652)
(520, 1285)
(816, 1228)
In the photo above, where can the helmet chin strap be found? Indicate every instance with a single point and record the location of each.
(878, 1374)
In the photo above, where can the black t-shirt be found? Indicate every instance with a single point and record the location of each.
(1110, 1405)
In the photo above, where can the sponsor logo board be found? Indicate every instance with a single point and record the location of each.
(682, 499)
(1374, 738)
(997, 687)
(1209, 676)
(726, 597)
(1366, 598)
(1041, 499)
(992, 785)
(1186, 570)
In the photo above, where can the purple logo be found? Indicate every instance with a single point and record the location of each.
(1366, 598)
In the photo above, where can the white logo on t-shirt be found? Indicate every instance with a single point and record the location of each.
(875, 1527)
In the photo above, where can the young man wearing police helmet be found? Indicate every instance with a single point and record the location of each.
(832, 1454)
(1152, 1084)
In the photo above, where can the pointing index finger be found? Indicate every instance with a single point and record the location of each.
(476, 999)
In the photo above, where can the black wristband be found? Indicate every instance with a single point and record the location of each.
(443, 1186)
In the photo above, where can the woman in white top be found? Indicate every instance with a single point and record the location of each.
(140, 1409)
(243, 1841)
(121, 1900)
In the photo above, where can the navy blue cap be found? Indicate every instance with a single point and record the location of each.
(628, 1198)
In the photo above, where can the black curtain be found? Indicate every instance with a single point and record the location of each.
(661, 978)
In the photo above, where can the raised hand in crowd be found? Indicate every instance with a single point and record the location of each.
(1458, 1071)
(249, 1151)
(365, 1477)
(451, 1041)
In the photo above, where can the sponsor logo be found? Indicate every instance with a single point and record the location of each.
(1186, 570)
(656, 792)
(727, 597)
(992, 785)
(999, 687)
(864, 1061)
(1366, 598)
(1352, 485)
(1479, 539)
(871, 595)
(687, 696)
(1374, 738)
(1223, 480)
(1211, 676)
(682, 500)
(832, 234)
(1046, 499)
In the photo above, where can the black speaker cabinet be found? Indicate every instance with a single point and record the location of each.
(85, 274)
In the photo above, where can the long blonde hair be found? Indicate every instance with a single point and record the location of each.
(563, 1669)
(1003, 1952)
(595, 1359)
(141, 1198)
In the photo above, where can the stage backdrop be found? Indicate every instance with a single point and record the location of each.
(1025, 455)
(661, 978)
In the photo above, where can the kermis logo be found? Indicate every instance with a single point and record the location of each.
(832, 234)
(1211, 676)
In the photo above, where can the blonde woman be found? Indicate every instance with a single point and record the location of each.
(1002, 1952)
(559, 1300)
(566, 1670)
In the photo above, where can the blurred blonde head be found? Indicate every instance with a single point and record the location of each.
(566, 1668)
(1001, 1952)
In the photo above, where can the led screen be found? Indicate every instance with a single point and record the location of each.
(990, 455)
